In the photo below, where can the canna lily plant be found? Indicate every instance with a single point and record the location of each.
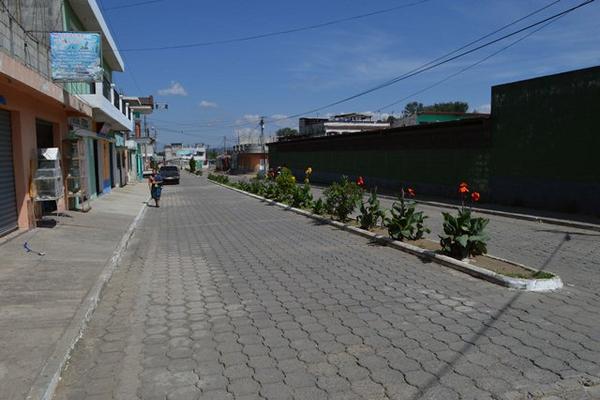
(464, 234)
(405, 222)
(370, 212)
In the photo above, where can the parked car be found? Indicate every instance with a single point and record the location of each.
(170, 174)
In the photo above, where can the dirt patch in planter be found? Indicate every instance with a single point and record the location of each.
(508, 269)
(492, 264)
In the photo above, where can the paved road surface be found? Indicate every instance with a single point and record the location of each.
(224, 297)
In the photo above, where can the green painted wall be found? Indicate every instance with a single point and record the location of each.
(433, 159)
(438, 170)
(546, 141)
(432, 118)
(542, 153)
(73, 23)
(92, 173)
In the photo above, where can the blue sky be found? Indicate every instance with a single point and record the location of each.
(220, 90)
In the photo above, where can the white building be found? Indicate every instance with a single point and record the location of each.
(180, 155)
(339, 124)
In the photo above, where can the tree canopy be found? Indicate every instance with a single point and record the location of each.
(451, 106)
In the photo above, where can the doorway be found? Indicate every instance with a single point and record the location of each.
(98, 188)
(44, 133)
(8, 197)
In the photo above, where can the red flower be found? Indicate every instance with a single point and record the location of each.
(360, 181)
(411, 192)
(463, 189)
(475, 196)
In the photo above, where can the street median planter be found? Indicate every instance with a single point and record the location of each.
(490, 268)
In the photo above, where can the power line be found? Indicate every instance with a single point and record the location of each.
(279, 33)
(481, 61)
(431, 65)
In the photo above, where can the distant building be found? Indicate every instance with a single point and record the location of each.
(248, 157)
(432, 117)
(180, 154)
(339, 124)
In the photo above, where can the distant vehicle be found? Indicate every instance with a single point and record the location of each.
(170, 174)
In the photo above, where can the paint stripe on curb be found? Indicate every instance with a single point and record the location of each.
(482, 273)
(46, 382)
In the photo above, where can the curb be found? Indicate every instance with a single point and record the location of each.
(47, 380)
(534, 285)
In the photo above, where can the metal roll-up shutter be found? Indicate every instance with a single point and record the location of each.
(8, 203)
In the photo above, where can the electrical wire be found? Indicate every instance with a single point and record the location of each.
(277, 33)
(544, 22)
(443, 59)
(481, 61)
(439, 63)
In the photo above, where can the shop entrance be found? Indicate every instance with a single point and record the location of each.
(44, 134)
(98, 187)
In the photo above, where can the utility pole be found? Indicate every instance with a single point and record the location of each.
(262, 143)
(224, 145)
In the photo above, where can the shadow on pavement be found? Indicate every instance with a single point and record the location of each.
(473, 339)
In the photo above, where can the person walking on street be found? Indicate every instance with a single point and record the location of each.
(155, 182)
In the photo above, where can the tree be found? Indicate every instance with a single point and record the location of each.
(452, 106)
(286, 132)
(412, 107)
(192, 165)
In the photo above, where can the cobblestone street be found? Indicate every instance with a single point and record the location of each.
(220, 296)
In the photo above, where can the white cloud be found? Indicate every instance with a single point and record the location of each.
(208, 104)
(282, 121)
(176, 89)
(247, 135)
(484, 109)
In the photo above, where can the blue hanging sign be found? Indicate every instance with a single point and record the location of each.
(76, 56)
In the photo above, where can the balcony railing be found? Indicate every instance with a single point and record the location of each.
(106, 88)
(116, 98)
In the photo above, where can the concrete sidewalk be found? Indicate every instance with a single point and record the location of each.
(42, 298)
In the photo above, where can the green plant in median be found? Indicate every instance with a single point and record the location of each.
(257, 186)
(318, 207)
(224, 179)
(286, 186)
(341, 198)
(405, 222)
(370, 212)
(464, 234)
(192, 165)
(302, 196)
(271, 191)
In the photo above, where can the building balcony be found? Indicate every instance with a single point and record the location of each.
(108, 106)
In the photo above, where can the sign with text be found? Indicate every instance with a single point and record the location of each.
(76, 56)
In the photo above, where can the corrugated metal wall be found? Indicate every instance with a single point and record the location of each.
(8, 204)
